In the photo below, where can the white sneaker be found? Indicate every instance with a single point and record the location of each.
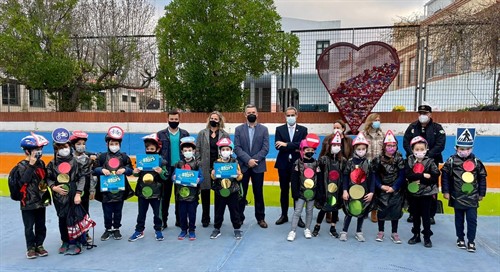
(307, 234)
(343, 236)
(359, 236)
(291, 236)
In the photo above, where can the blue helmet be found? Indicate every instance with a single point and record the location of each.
(33, 141)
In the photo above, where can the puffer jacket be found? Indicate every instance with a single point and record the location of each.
(103, 163)
(427, 186)
(37, 195)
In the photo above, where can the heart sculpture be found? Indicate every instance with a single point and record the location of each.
(357, 77)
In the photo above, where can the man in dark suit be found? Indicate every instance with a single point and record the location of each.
(287, 142)
(251, 145)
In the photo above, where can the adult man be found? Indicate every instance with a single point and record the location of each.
(435, 136)
(251, 145)
(170, 151)
(287, 142)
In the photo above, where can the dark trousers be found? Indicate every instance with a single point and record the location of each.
(394, 225)
(470, 215)
(112, 214)
(34, 227)
(143, 205)
(347, 222)
(284, 177)
(220, 208)
(165, 200)
(257, 187)
(205, 205)
(421, 211)
(63, 229)
(321, 216)
(187, 210)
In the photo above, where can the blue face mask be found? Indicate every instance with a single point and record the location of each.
(376, 124)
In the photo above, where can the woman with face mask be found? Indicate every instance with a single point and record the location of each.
(208, 153)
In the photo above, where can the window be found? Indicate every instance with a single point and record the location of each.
(401, 74)
(10, 94)
(133, 99)
(320, 47)
(37, 98)
(124, 98)
(412, 72)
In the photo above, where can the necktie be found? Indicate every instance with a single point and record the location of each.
(291, 131)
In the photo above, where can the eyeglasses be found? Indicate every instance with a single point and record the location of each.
(290, 115)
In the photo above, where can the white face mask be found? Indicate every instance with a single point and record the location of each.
(423, 118)
(225, 154)
(188, 154)
(290, 120)
(419, 154)
(64, 152)
(335, 149)
(80, 148)
(361, 152)
(114, 148)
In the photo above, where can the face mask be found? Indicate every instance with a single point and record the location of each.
(419, 154)
(64, 152)
(290, 120)
(80, 148)
(335, 149)
(309, 154)
(361, 153)
(151, 152)
(114, 148)
(38, 154)
(188, 154)
(390, 150)
(214, 123)
(464, 153)
(376, 124)
(423, 119)
(173, 125)
(252, 118)
(225, 154)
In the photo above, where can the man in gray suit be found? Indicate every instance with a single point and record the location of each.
(251, 145)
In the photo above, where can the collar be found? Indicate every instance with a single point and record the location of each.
(294, 126)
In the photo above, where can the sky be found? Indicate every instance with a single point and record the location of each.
(351, 13)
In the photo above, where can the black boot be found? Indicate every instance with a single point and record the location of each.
(316, 230)
(427, 242)
(415, 239)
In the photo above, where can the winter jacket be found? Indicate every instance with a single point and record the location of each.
(427, 186)
(37, 195)
(103, 163)
(433, 133)
(194, 165)
(332, 170)
(301, 188)
(155, 185)
(234, 186)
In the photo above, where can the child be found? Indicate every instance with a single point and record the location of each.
(148, 190)
(332, 165)
(113, 162)
(187, 196)
(29, 174)
(358, 188)
(463, 182)
(306, 184)
(422, 175)
(227, 191)
(389, 174)
(67, 182)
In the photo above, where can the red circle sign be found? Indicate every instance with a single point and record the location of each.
(333, 175)
(114, 163)
(308, 173)
(469, 165)
(186, 167)
(358, 176)
(64, 167)
(418, 168)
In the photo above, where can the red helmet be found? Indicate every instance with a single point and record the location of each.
(418, 139)
(78, 135)
(152, 138)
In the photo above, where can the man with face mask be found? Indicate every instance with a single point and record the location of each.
(170, 151)
(287, 142)
(435, 136)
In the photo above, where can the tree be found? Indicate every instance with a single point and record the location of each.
(208, 48)
(74, 49)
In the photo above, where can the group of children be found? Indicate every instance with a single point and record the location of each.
(356, 185)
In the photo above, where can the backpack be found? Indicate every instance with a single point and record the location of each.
(17, 190)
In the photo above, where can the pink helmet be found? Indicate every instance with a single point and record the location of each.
(418, 139)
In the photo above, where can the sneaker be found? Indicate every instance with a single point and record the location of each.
(395, 238)
(192, 236)
(215, 234)
(307, 233)
(291, 236)
(380, 236)
(136, 236)
(461, 244)
(31, 253)
(63, 248)
(415, 239)
(237, 234)
(159, 235)
(343, 236)
(73, 249)
(471, 247)
(182, 235)
(359, 236)
(41, 252)
(117, 235)
(316, 230)
(105, 236)
(427, 242)
(333, 232)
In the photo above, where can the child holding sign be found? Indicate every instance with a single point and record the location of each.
(227, 190)
(187, 178)
(463, 182)
(150, 177)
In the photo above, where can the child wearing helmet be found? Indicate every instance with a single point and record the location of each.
(422, 176)
(306, 184)
(358, 188)
(187, 196)
(113, 162)
(67, 183)
(227, 191)
(149, 189)
(31, 190)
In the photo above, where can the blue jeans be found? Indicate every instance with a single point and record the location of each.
(143, 210)
(112, 214)
(471, 216)
(187, 209)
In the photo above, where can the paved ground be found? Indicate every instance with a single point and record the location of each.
(259, 250)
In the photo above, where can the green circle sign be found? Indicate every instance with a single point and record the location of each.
(309, 194)
(355, 207)
(467, 188)
(225, 192)
(332, 201)
(147, 191)
(184, 192)
(413, 187)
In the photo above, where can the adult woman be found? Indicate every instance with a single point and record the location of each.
(208, 153)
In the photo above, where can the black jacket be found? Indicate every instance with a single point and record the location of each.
(34, 176)
(164, 137)
(427, 186)
(102, 162)
(433, 133)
